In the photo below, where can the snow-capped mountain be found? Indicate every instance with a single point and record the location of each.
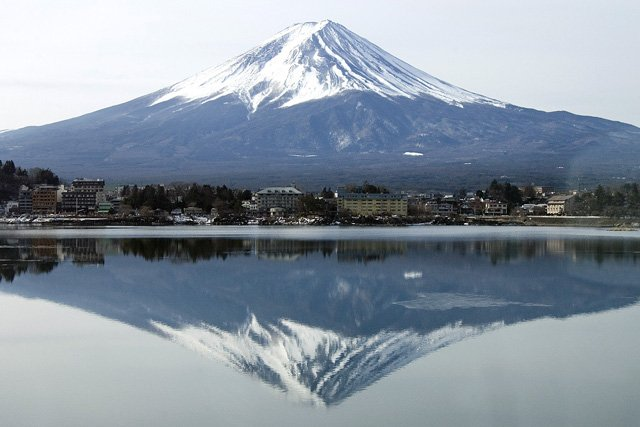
(318, 101)
(311, 61)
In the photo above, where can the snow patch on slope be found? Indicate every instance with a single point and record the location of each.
(312, 61)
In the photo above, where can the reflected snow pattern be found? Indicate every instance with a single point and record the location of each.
(321, 320)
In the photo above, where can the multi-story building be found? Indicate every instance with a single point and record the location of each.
(12, 206)
(543, 191)
(44, 199)
(84, 196)
(445, 206)
(25, 201)
(372, 204)
(89, 185)
(493, 207)
(472, 206)
(560, 205)
(285, 198)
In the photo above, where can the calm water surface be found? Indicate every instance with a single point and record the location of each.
(319, 326)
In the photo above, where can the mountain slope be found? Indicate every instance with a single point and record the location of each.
(317, 99)
(312, 61)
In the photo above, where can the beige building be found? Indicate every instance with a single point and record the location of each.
(44, 199)
(372, 204)
(560, 205)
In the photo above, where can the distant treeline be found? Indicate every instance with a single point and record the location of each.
(366, 188)
(12, 177)
(612, 202)
(621, 201)
(225, 199)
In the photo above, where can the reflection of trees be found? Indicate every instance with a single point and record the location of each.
(184, 249)
(601, 251)
(280, 249)
(275, 249)
(361, 251)
(18, 256)
(369, 250)
(371, 317)
(41, 256)
(505, 251)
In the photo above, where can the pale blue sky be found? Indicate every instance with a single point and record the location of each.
(69, 57)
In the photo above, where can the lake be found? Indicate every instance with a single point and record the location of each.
(358, 326)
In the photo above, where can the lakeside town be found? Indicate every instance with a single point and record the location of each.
(38, 197)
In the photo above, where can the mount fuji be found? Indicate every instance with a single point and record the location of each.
(317, 102)
(312, 61)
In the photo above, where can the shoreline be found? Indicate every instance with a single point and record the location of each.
(545, 221)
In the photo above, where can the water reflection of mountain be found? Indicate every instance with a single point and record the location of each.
(339, 314)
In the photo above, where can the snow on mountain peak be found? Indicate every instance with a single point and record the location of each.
(310, 364)
(311, 61)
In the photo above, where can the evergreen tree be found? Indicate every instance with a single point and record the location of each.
(9, 168)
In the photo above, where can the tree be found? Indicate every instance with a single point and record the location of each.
(308, 204)
(366, 188)
(9, 168)
(512, 194)
(600, 199)
(529, 192)
(327, 193)
(41, 176)
(506, 192)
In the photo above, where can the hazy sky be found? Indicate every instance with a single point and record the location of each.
(69, 57)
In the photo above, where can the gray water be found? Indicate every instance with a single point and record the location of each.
(317, 326)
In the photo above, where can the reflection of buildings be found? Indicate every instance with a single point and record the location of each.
(19, 256)
(83, 251)
(44, 249)
(499, 251)
(42, 255)
(555, 246)
(319, 329)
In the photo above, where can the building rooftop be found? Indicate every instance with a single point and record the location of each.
(372, 196)
(279, 190)
(560, 198)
